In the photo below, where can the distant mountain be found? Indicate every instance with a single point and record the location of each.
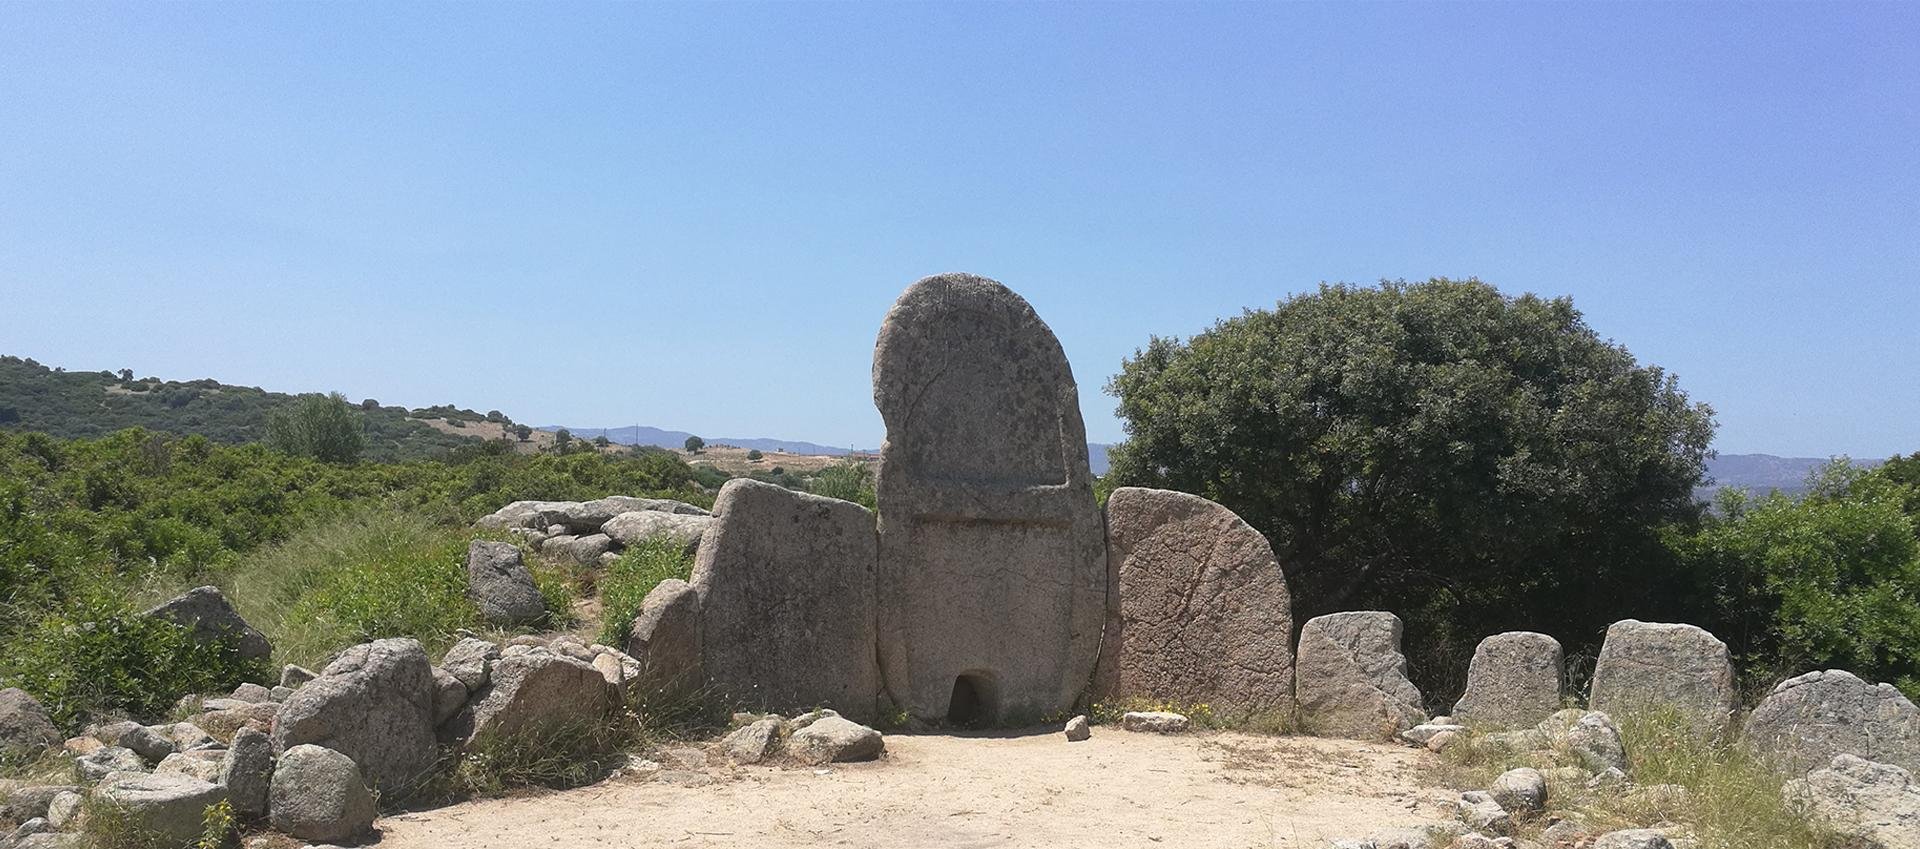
(1763, 473)
(643, 435)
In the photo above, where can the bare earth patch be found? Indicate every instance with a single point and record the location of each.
(1118, 789)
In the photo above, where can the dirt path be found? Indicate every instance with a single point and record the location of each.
(1116, 790)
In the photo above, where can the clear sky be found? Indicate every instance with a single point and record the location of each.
(695, 216)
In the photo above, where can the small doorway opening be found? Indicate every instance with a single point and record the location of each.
(971, 704)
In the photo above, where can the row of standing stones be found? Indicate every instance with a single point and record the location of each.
(988, 587)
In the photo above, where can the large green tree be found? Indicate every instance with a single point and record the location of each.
(1471, 461)
(323, 427)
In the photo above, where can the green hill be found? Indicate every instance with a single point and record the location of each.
(76, 404)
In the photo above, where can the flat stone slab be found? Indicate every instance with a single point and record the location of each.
(1655, 666)
(1514, 681)
(1202, 614)
(1351, 679)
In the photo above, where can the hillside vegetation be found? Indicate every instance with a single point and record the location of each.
(74, 404)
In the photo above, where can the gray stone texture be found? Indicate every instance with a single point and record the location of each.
(500, 585)
(319, 794)
(373, 704)
(207, 615)
(1875, 803)
(586, 550)
(993, 565)
(469, 660)
(1201, 613)
(1652, 666)
(25, 728)
(535, 690)
(665, 639)
(1351, 679)
(635, 527)
(171, 806)
(247, 770)
(1808, 720)
(786, 596)
(1513, 682)
(834, 739)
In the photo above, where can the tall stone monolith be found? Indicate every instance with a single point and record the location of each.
(992, 580)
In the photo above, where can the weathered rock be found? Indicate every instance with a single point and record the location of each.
(449, 695)
(1522, 792)
(500, 585)
(92, 767)
(1481, 813)
(755, 742)
(293, 677)
(1154, 721)
(1633, 838)
(1201, 615)
(1565, 834)
(832, 739)
(1874, 802)
(204, 765)
(1420, 734)
(519, 514)
(1351, 678)
(1650, 666)
(586, 550)
(279, 694)
(373, 704)
(1439, 742)
(786, 597)
(50, 840)
(665, 638)
(151, 745)
(992, 558)
(167, 805)
(318, 794)
(809, 718)
(1595, 740)
(469, 660)
(557, 545)
(207, 615)
(35, 827)
(31, 801)
(1078, 729)
(81, 744)
(535, 690)
(64, 809)
(586, 517)
(636, 527)
(1513, 681)
(247, 770)
(1807, 720)
(251, 692)
(222, 724)
(26, 729)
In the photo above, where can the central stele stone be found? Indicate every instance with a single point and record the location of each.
(992, 562)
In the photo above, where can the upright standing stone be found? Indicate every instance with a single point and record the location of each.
(665, 639)
(1808, 720)
(1654, 666)
(1351, 678)
(786, 601)
(1202, 613)
(499, 583)
(1513, 682)
(993, 575)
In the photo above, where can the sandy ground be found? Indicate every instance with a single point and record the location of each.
(1116, 790)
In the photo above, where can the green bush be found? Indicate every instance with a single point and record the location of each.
(627, 582)
(324, 427)
(367, 575)
(848, 481)
(97, 655)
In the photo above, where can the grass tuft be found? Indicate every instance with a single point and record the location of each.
(628, 580)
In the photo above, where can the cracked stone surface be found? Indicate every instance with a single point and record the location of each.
(1655, 666)
(1351, 679)
(1201, 612)
(1513, 681)
(992, 553)
(785, 582)
(1809, 719)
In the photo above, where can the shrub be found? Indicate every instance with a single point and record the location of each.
(323, 427)
(366, 575)
(754, 455)
(97, 655)
(556, 757)
(848, 481)
(627, 582)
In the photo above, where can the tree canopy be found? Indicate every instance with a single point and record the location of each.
(323, 427)
(1472, 461)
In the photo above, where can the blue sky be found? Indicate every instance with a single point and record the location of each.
(695, 216)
